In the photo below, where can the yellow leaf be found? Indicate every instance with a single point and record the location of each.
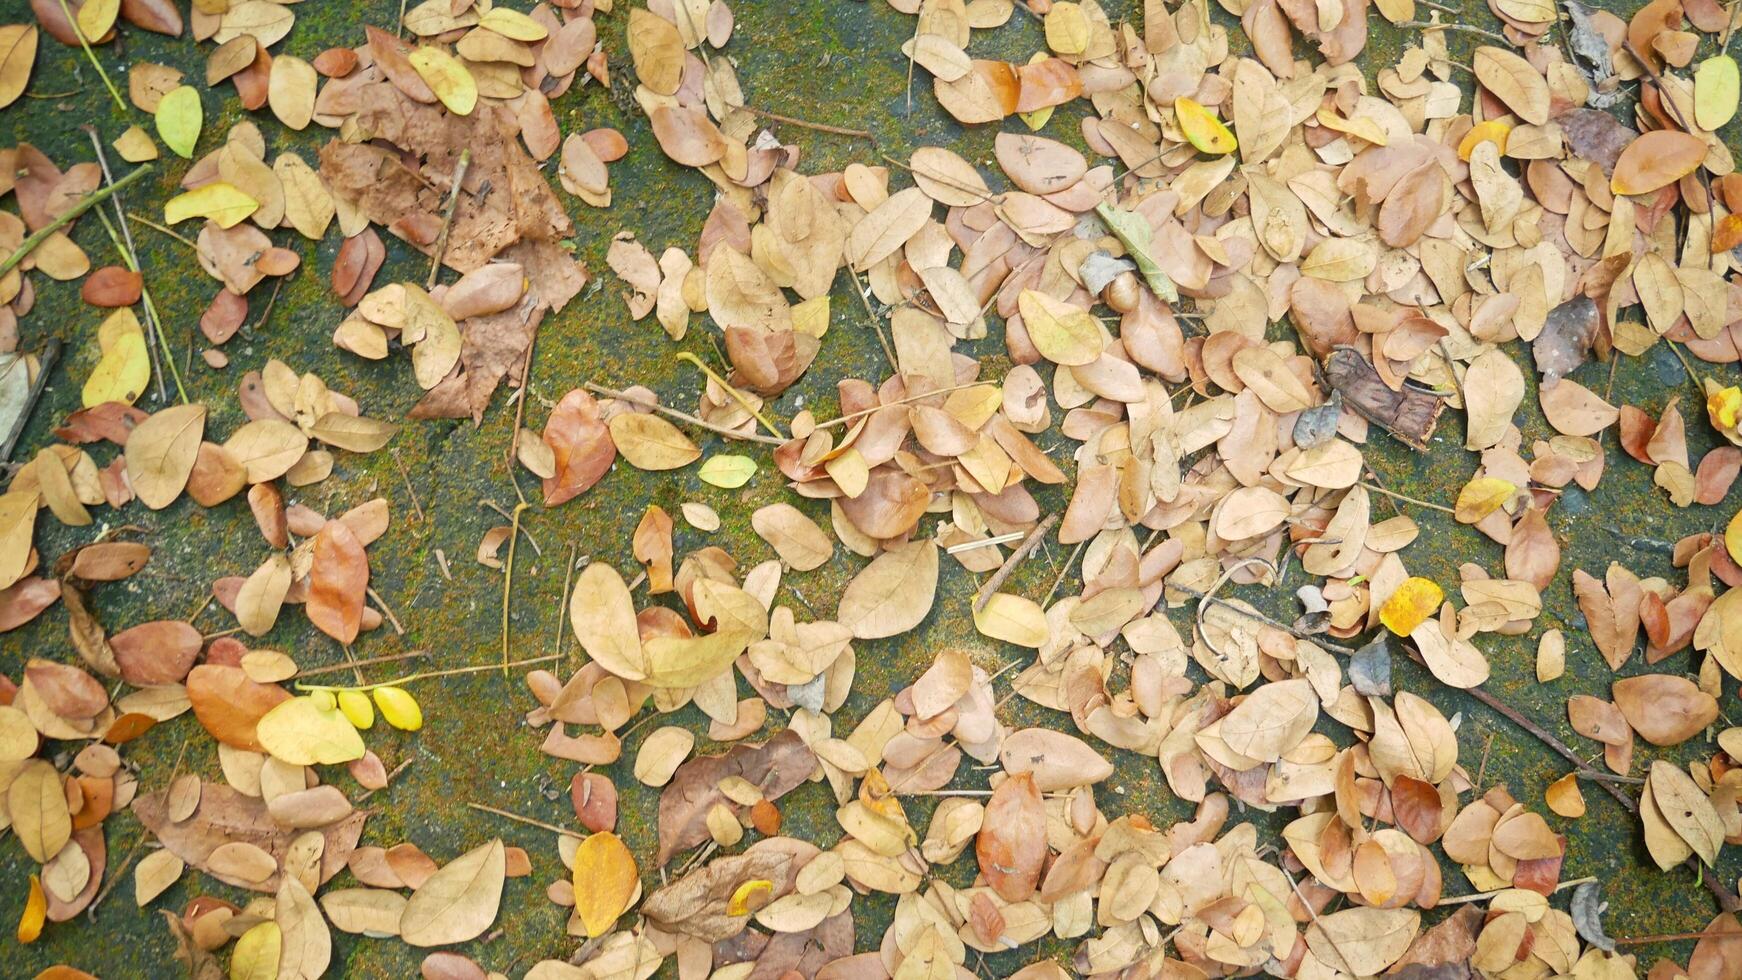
(1410, 606)
(124, 369)
(399, 708)
(727, 471)
(1723, 406)
(1360, 127)
(257, 952)
(303, 733)
(179, 119)
(355, 706)
(1481, 497)
(35, 912)
(1733, 537)
(513, 24)
(135, 145)
(1493, 131)
(756, 891)
(605, 881)
(1202, 129)
(812, 316)
(447, 78)
(1716, 88)
(1067, 28)
(220, 201)
(1062, 333)
(17, 56)
(96, 17)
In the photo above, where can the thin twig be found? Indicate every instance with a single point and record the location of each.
(424, 676)
(493, 505)
(441, 242)
(165, 229)
(978, 543)
(386, 610)
(1060, 579)
(1393, 494)
(66, 217)
(367, 661)
(1671, 937)
(511, 815)
(508, 576)
(1009, 567)
(406, 476)
(1423, 25)
(682, 416)
(877, 328)
(807, 124)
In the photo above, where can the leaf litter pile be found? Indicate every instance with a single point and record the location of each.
(1416, 249)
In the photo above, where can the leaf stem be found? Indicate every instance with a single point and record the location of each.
(73, 22)
(737, 396)
(66, 217)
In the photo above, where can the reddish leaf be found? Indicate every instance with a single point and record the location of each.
(581, 444)
(1011, 846)
(338, 578)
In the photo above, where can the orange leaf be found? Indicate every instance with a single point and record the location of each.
(337, 581)
(35, 913)
(1656, 160)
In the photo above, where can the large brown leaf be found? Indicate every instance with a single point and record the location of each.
(776, 767)
(224, 816)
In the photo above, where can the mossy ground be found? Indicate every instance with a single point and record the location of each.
(831, 61)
